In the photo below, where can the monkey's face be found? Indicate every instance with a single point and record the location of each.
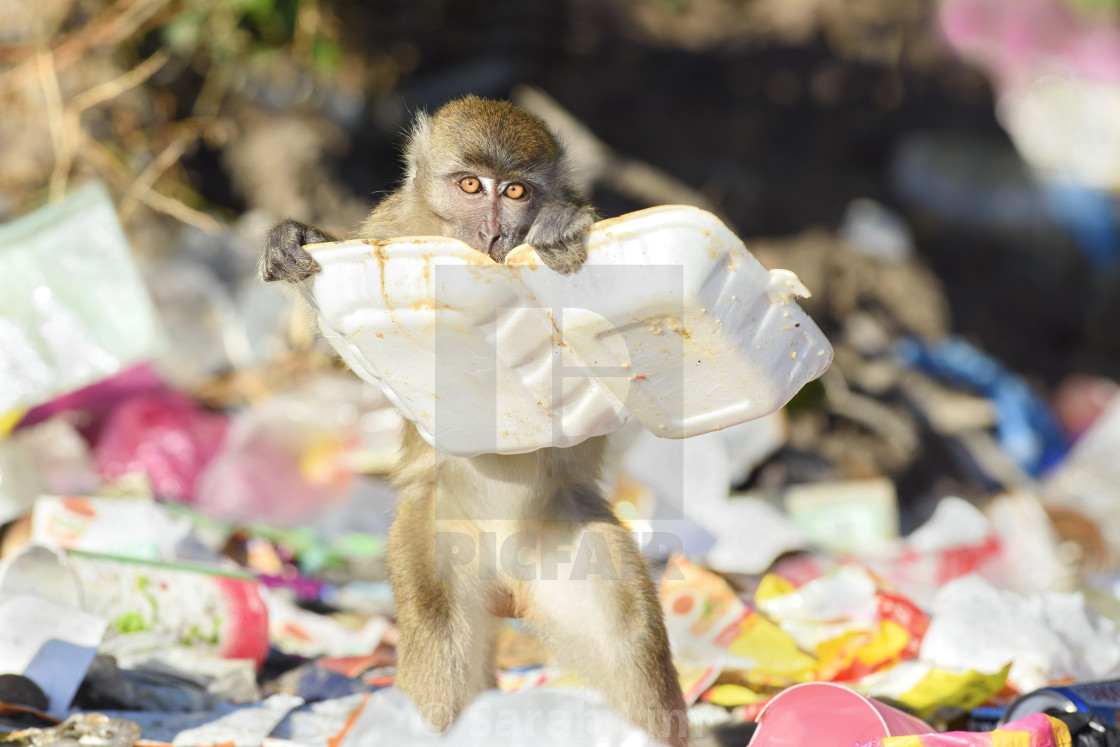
(490, 213)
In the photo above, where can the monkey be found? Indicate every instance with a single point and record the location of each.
(485, 172)
(494, 176)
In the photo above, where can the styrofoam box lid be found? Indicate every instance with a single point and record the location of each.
(671, 321)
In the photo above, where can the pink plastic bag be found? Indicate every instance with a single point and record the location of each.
(164, 435)
(1035, 730)
(91, 405)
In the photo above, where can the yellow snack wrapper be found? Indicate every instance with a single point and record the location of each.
(778, 662)
(858, 651)
(731, 696)
(9, 420)
(710, 625)
(852, 622)
(923, 688)
(695, 680)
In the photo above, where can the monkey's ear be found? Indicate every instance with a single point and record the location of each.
(418, 145)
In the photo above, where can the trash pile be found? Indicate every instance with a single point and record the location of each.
(206, 565)
(921, 548)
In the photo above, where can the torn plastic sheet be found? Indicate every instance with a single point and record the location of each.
(51, 644)
(237, 726)
(538, 717)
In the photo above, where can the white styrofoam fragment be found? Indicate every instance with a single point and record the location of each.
(671, 321)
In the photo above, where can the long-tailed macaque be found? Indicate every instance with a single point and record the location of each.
(476, 538)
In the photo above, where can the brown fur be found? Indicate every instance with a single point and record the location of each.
(607, 626)
(603, 617)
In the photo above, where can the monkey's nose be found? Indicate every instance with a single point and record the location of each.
(493, 243)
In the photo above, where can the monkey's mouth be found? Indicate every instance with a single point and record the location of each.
(496, 247)
(498, 251)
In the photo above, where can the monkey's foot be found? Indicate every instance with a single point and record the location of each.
(557, 235)
(284, 256)
(563, 259)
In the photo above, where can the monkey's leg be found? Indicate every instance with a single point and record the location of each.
(445, 655)
(284, 256)
(602, 615)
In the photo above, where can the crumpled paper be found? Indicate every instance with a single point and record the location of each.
(1044, 638)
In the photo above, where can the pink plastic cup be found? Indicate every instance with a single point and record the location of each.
(824, 714)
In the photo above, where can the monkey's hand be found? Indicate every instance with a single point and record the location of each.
(284, 256)
(557, 232)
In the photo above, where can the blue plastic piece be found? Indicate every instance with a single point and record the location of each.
(1092, 218)
(1026, 427)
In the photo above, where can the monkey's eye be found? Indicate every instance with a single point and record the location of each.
(515, 191)
(470, 184)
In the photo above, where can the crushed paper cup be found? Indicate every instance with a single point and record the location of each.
(824, 714)
(187, 603)
(123, 527)
(671, 321)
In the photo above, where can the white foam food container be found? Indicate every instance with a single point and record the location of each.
(671, 321)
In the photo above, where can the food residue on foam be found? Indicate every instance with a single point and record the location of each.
(381, 277)
(793, 355)
(671, 323)
(427, 304)
(676, 325)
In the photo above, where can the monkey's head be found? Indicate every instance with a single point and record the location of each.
(484, 168)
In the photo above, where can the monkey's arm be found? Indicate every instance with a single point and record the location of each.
(557, 232)
(284, 256)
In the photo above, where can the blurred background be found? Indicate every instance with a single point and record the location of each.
(941, 174)
(946, 167)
